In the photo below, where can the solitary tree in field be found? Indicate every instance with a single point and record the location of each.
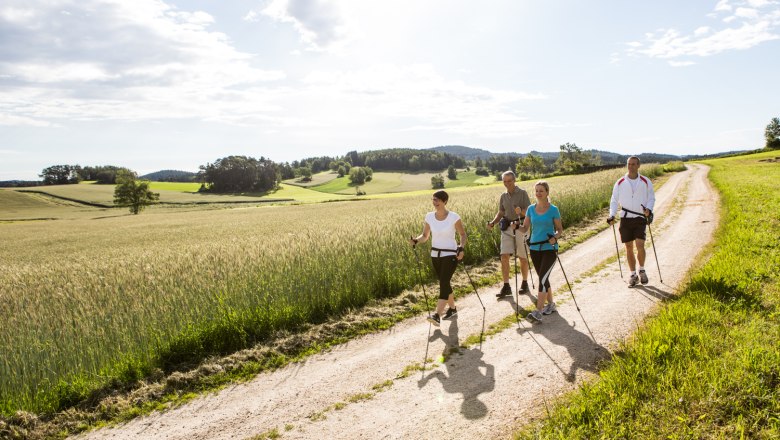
(357, 175)
(452, 173)
(304, 173)
(437, 181)
(133, 193)
(772, 134)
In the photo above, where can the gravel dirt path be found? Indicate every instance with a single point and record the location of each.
(478, 392)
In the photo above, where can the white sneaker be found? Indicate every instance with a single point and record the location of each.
(549, 308)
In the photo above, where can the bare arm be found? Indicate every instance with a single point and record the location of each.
(495, 220)
(422, 238)
(526, 222)
(463, 238)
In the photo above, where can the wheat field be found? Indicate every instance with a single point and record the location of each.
(86, 300)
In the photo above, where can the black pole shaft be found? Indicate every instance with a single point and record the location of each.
(567, 281)
(517, 292)
(652, 241)
(484, 310)
(419, 276)
(572, 297)
(617, 250)
(528, 259)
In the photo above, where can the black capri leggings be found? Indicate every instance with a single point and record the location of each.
(544, 261)
(444, 268)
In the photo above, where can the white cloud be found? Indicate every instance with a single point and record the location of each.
(147, 61)
(319, 22)
(746, 27)
(93, 60)
(14, 120)
(393, 93)
(55, 73)
(681, 63)
(746, 13)
(723, 5)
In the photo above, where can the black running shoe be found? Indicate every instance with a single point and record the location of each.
(505, 291)
(524, 287)
(434, 319)
(450, 313)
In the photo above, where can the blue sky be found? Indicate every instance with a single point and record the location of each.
(152, 84)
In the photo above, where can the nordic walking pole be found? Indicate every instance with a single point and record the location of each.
(427, 307)
(649, 220)
(517, 292)
(419, 275)
(617, 250)
(572, 293)
(484, 310)
(528, 259)
(654, 253)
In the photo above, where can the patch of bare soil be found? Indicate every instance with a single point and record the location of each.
(372, 387)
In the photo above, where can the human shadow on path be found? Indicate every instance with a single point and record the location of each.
(513, 301)
(464, 376)
(585, 354)
(653, 291)
(451, 340)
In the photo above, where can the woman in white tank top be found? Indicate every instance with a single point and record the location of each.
(445, 251)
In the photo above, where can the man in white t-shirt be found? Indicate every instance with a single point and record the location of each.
(634, 193)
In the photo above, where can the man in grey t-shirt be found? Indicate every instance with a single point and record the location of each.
(511, 207)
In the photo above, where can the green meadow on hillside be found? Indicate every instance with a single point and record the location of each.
(393, 182)
(20, 206)
(316, 179)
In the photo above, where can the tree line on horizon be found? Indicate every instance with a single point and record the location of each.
(234, 174)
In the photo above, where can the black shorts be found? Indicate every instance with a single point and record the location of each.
(632, 229)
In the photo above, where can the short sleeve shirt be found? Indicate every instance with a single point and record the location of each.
(443, 233)
(508, 202)
(541, 225)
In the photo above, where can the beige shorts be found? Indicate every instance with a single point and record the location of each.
(508, 241)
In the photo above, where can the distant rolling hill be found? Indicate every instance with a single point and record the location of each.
(467, 153)
(607, 157)
(170, 176)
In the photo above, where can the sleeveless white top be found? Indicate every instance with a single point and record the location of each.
(443, 233)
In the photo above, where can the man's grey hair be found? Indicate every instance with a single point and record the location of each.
(508, 173)
(633, 157)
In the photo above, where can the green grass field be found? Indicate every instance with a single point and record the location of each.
(325, 187)
(192, 187)
(466, 178)
(708, 366)
(170, 192)
(19, 206)
(392, 182)
(381, 182)
(316, 179)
